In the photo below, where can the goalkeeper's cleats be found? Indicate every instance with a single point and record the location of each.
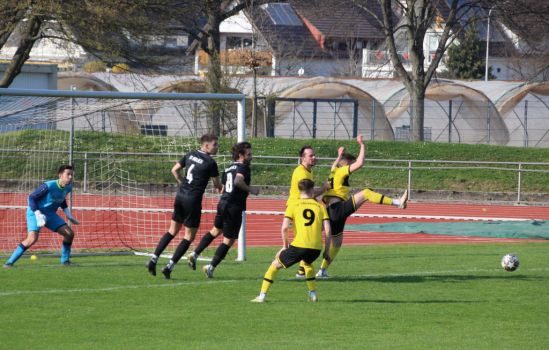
(312, 296)
(208, 270)
(191, 261)
(8, 266)
(322, 273)
(259, 299)
(300, 272)
(403, 200)
(167, 272)
(151, 266)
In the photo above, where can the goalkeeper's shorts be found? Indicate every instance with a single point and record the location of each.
(53, 221)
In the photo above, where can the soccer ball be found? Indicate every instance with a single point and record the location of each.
(510, 262)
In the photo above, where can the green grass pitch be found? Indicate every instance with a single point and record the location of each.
(380, 297)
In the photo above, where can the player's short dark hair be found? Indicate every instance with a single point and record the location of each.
(240, 148)
(64, 167)
(302, 150)
(305, 185)
(348, 157)
(208, 138)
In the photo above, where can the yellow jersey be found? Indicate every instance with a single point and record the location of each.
(339, 179)
(300, 173)
(308, 217)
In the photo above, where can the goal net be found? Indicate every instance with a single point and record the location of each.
(122, 147)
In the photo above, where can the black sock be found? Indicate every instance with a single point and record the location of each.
(204, 243)
(220, 254)
(164, 241)
(181, 250)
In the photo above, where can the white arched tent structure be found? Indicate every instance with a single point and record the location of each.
(334, 119)
(525, 110)
(454, 113)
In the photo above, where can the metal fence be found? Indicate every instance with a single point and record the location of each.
(447, 121)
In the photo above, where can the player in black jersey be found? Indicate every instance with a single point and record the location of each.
(200, 167)
(236, 180)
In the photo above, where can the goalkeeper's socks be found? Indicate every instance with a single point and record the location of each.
(16, 254)
(220, 254)
(164, 241)
(181, 250)
(65, 252)
(204, 243)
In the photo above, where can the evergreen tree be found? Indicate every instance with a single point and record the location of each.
(466, 60)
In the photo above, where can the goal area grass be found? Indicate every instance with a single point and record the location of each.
(379, 297)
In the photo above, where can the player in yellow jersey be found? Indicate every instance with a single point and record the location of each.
(309, 218)
(307, 159)
(341, 205)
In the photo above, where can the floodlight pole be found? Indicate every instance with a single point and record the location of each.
(487, 44)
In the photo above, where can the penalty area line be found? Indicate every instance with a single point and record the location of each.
(108, 289)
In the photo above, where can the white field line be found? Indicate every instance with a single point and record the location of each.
(109, 289)
(177, 284)
(274, 212)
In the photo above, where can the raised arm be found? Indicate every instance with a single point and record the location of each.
(360, 159)
(340, 152)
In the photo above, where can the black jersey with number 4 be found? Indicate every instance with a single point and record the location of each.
(200, 167)
(232, 193)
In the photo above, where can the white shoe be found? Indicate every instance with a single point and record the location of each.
(403, 200)
(312, 296)
(208, 270)
(259, 299)
(322, 273)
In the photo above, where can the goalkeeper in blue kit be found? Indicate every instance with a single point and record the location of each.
(42, 212)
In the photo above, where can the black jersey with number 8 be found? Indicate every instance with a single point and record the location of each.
(232, 193)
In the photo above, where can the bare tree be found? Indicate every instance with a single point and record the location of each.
(112, 31)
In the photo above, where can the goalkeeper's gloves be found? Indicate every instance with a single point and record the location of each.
(40, 218)
(68, 214)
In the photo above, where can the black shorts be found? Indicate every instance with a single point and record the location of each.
(187, 210)
(339, 212)
(229, 219)
(292, 255)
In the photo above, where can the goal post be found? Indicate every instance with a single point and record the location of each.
(122, 145)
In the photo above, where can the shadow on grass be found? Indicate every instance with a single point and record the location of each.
(385, 301)
(423, 278)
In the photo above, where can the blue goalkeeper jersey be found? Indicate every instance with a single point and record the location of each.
(49, 197)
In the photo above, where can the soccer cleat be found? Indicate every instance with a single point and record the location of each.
(403, 200)
(69, 263)
(312, 296)
(8, 266)
(151, 266)
(208, 270)
(191, 261)
(300, 272)
(167, 272)
(322, 273)
(258, 299)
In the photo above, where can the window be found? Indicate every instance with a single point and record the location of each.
(154, 130)
(282, 14)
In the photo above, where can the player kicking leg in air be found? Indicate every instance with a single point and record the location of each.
(341, 205)
(309, 219)
(200, 167)
(42, 212)
(236, 187)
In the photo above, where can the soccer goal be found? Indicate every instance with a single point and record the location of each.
(122, 146)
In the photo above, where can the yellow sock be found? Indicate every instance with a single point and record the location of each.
(377, 198)
(333, 254)
(310, 276)
(268, 279)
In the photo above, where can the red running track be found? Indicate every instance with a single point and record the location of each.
(109, 220)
